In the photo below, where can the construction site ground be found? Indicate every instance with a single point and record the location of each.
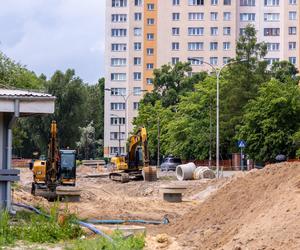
(259, 209)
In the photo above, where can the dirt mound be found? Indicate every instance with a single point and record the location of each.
(257, 210)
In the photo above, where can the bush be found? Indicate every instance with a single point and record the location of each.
(120, 243)
(35, 228)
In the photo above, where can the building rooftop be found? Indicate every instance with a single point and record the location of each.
(22, 93)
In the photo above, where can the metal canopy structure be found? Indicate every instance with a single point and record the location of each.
(15, 104)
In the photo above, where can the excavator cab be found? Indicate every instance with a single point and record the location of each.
(67, 167)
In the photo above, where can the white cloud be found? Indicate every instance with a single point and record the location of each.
(47, 35)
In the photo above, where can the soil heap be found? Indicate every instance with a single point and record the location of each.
(256, 210)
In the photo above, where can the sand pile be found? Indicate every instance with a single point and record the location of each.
(258, 210)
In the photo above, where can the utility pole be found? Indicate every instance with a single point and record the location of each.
(158, 142)
(119, 135)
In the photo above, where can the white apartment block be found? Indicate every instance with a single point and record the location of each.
(144, 34)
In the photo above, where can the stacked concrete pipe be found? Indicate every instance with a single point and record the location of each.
(185, 171)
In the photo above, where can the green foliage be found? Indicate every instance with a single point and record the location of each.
(271, 120)
(120, 243)
(188, 132)
(15, 75)
(30, 227)
(284, 71)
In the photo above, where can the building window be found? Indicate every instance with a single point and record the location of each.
(137, 2)
(137, 76)
(247, 17)
(273, 46)
(115, 150)
(118, 76)
(137, 31)
(149, 66)
(137, 91)
(150, 21)
(213, 16)
(198, 61)
(117, 62)
(292, 15)
(118, 18)
(226, 45)
(150, 6)
(195, 31)
(214, 31)
(174, 60)
(247, 2)
(213, 60)
(292, 60)
(175, 16)
(226, 60)
(137, 16)
(292, 30)
(196, 2)
(119, 3)
(117, 106)
(137, 60)
(118, 32)
(150, 36)
(272, 17)
(226, 31)
(213, 46)
(175, 46)
(115, 121)
(214, 2)
(272, 60)
(195, 46)
(136, 105)
(271, 2)
(271, 31)
(149, 81)
(118, 47)
(227, 2)
(118, 91)
(176, 2)
(150, 51)
(196, 16)
(175, 31)
(292, 45)
(227, 16)
(292, 2)
(137, 46)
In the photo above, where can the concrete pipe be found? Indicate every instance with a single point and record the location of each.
(203, 173)
(185, 171)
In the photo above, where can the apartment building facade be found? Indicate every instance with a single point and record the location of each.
(142, 35)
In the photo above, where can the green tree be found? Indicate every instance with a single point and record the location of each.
(15, 75)
(284, 71)
(191, 130)
(271, 121)
(242, 80)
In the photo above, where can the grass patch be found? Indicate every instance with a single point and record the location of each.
(120, 243)
(33, 228)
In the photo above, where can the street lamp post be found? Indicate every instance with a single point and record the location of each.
(125, 98)
(218, 74)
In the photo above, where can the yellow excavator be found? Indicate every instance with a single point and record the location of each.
(55, 177)
(134, 166)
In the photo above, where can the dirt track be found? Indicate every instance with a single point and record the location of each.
(255, 210)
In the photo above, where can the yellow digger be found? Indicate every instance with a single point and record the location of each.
(55, 177)
(134, 166)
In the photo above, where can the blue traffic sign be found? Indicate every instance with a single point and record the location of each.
(241, 144)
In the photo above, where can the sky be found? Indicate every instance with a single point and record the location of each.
(50, 35)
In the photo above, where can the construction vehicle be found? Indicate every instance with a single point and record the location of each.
(134, 166)
(55, 177)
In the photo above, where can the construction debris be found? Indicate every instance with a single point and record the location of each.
(203, 173)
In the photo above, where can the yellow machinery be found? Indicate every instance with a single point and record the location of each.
(136, 162)
(55, 177)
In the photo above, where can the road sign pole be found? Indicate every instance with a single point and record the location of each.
(242, 162)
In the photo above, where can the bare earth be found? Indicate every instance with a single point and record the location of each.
(255, 210)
